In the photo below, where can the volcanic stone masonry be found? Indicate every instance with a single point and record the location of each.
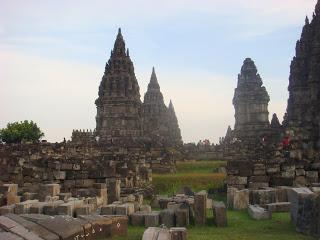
(250, 102)
(160, 124)
(303, 110)
(121, 119)
(265, 161)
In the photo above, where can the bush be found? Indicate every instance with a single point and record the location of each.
(17, 132)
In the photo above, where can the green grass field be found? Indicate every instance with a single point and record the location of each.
(200, 175)
(240, 227)
(197, 174)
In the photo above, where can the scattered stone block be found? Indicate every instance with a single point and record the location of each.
(167, 218)
(65, 209)
(178, 233)
(108, 210)
(11, 226)
(258, 213)
(86, 209)
(152, 219)
(51, 207)
(200, 207)
(241, 199)
(7, 209)
(9, 236)
(219, 214)
(293, 196)
(33, 227)
(145, 208)
(182, 217)
(37, 208)
(24, 207)
(279, 207)
(156, 233)
(101, 226)
(138, 219)
(114, 190)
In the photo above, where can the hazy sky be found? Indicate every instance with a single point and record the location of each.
(53, 53)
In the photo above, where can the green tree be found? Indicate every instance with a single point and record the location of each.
(17, 132)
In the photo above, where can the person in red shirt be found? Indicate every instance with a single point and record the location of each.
(286, 146)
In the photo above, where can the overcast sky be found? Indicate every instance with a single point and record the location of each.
(53, 53)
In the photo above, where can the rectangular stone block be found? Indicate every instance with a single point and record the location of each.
(182, 217)
(258, 213)
(167, 218)
(230, 197)
(293, 197)
(114, 190)
(151, 219)
(33, 227)
(145, 208)
(279, 207)
(48, 190)
(219, 214)
(11, 226)
(109, 209)
(101, 226)
(156, 233)
(119, 225)
(138, 219)
(7, 209)
(241, 199)
(50, 208)
(179, 233)
(65, 209)
(37, 208)
(85, 209)
(24, 207)
(200, 207)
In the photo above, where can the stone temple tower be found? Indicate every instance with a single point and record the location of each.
(250, 102)
(118, 117)
(155, 113)
(303, 110)
(174, 130)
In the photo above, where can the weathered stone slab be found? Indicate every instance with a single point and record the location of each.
(241, 199)
(17, 229)
(37, 208)
(119, 225)
(138, 218)
(293, 197)
(200, 207)
(66, 227)
(152, 219)
(219, 214)
(279, 207)
(86, 209)
(167, 218)
(145, 208)
(182, 217)
(154, 233)
(35, 228)
(24, 207)
(9, 236)
(7, 209)
(178, 233)
(51, 207)
(114, 190)
(258, 213)
(65, 209)
(109, 209)
(101, 226)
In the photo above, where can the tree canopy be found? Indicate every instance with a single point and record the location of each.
(17, 132)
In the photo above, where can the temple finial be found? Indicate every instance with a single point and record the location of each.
(119, 30)
(128, 52)
(307, 20)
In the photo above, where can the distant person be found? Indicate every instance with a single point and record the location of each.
(286, 146)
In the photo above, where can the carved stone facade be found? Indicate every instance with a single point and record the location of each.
(118, 105)
(250, 102)
(303, 110)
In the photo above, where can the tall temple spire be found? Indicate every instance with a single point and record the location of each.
(153, 81)
(174, 130)
(119, 45)
(119, 91)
